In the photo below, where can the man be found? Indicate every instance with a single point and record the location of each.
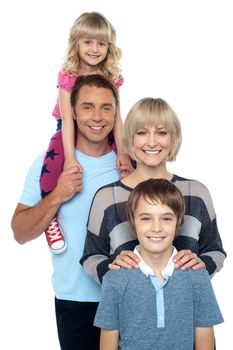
(94, 102)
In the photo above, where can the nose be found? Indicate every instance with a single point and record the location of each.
(152, 142)
(97, 116)
(156, 225)
(94, 46)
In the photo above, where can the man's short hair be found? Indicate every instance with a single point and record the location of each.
(156, 191)
(95, 80)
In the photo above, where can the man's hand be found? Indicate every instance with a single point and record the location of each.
(69, 183)
(29, 222)
(126, 259)
(186, 259)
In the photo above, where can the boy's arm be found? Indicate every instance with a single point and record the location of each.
(29, 222)
(109, 339)
(204, 338)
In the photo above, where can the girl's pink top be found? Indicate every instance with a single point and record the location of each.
(67, 82)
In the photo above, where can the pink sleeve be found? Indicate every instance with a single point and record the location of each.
(119, 82)
(66, 81)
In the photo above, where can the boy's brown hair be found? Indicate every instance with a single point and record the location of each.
(156, 191)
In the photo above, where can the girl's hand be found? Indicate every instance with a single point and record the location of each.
(186, 259)
(71, 163)
(124, 165)
(126, 259)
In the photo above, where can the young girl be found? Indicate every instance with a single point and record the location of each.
(91, 50)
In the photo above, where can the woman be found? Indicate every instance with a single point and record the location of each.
(152, 136)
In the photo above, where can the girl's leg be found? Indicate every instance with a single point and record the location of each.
(52, 165)
(51, 170)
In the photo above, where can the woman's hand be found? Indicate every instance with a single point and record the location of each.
(126, 259)
(186, 259)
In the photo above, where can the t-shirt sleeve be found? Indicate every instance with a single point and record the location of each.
(31, 192)
(107, 315)
(66, 81)
(117, 84)
(207, 310)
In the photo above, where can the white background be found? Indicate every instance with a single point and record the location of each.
(179, 50)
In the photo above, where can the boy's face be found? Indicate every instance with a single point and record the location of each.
(155, 226)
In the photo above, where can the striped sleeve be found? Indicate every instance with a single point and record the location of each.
(200, 231)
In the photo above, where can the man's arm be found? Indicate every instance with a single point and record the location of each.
(204, 338)
(30, 222)
(109, 339)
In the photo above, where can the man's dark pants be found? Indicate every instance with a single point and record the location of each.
(75, 325)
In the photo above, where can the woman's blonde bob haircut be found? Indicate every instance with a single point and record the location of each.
(93, 25)
(152, 111)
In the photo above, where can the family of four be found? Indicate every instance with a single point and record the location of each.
(156, 231)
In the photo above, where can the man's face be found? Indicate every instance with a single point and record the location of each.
(95, 113)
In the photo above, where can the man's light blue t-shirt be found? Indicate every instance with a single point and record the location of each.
(69, 279)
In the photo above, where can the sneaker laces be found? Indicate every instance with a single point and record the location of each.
(53, 230)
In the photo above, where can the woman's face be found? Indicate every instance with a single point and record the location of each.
(152, 145)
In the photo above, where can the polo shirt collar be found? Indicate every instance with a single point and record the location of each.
(147, 270)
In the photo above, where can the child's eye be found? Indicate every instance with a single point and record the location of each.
(87, 42)
(102, 43)
(167, 218)
(145, 218)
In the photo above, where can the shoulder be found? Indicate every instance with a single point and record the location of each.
(196, 282)
(119, 82)
(37, 164)
(120, 278)
(34, 171)
(110, 194)
(66, 81)
(191, 187)
(196, 278)
(31, 191)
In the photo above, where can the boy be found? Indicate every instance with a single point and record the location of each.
(157, 306)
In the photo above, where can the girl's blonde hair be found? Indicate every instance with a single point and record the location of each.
(93, 25)
(152, 111)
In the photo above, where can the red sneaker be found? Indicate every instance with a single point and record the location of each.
(55, 238)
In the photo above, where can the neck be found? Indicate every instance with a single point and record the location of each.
(91, 149)
(157, 261)
(144, 172)
(85, 69)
